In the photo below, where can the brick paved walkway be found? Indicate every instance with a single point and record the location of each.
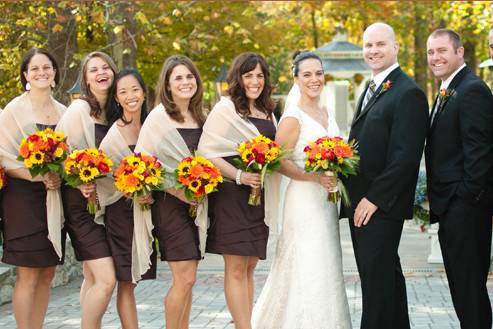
(430, 305)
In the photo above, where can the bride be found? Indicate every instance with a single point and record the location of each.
(305, 287)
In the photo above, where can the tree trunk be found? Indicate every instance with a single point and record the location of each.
(63, 45)
(314, 27)
(420, 36)
(469, 55)
(121, 34)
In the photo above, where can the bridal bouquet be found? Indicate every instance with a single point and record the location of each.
(43, 151)
(198, 177)
(85, 166)
(139, 174)
(332, 156)
(259, 155)
(3, 178)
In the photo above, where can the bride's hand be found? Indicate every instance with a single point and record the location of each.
(327, 182)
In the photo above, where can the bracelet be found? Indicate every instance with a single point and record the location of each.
(238, 177)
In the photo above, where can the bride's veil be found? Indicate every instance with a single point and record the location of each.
(291, 100)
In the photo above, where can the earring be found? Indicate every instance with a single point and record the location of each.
(28, 86)
(53, 84)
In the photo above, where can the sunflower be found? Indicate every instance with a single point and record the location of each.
(58, 136)
(92, 151)
(245, 156)
(87, 174)
(59, 152)
(37, 157)
(28, 163)
(183, 168)
(195, 185)
(209, 188)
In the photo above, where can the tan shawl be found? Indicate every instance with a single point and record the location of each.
(78, 125)
(159, 137)
(222, 132)
(116, 148)
(17, 122)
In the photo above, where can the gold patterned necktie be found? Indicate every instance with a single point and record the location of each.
(369, 93)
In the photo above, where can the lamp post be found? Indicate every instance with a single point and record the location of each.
(75, 90)
(221, 84)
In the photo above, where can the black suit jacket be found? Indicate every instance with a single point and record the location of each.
(390, 132)
(459, 159)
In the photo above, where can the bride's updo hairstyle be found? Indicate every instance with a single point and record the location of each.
(300, 56)
(242, 64)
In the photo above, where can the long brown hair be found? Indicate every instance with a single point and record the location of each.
(164, 93)
(86, 93)
(242, 64)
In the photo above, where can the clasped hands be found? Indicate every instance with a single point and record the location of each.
(51, 180)
(250, 179)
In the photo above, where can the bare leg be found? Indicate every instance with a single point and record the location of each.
(185, 319)
(23, 298)
(125, 304)
(87, 282)
(236, 290)
(184, 275)
(252, 264)
(42, 296)
(97, 296)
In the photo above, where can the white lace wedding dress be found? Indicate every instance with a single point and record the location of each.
(305, 286)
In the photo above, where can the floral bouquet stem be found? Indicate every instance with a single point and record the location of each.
(93, 203)
(334, 195)
(254, 199)
(192, 211)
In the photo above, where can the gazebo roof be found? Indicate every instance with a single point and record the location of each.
(341, 58)
(75, 88)
(339, 46)
(347, 65)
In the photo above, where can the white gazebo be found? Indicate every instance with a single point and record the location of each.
(344, 68)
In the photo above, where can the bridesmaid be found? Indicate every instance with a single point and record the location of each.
(237, 230)
(171, 132)
(26, 217)
(127, 112)
(85, 125)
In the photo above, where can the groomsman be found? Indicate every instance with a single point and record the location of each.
(459, 163)
(390, 126)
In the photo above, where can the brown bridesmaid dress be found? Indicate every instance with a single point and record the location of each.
(175, 230)
(237, 228)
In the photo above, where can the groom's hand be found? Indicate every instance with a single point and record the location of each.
(363, 212)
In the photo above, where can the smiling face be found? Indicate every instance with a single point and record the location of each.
(40, 72)
(310, 78)
(99, 75)
(130, 95)
(379, 48)
(443, 59)
(182, 83)
(253, 83)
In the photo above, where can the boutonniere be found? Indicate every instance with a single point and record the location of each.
(445, 94)
(386, 86)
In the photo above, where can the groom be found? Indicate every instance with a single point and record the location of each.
(390, 127)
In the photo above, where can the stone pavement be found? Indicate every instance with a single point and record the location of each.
(430, 305)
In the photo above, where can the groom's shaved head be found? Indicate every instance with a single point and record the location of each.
(381, 28)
